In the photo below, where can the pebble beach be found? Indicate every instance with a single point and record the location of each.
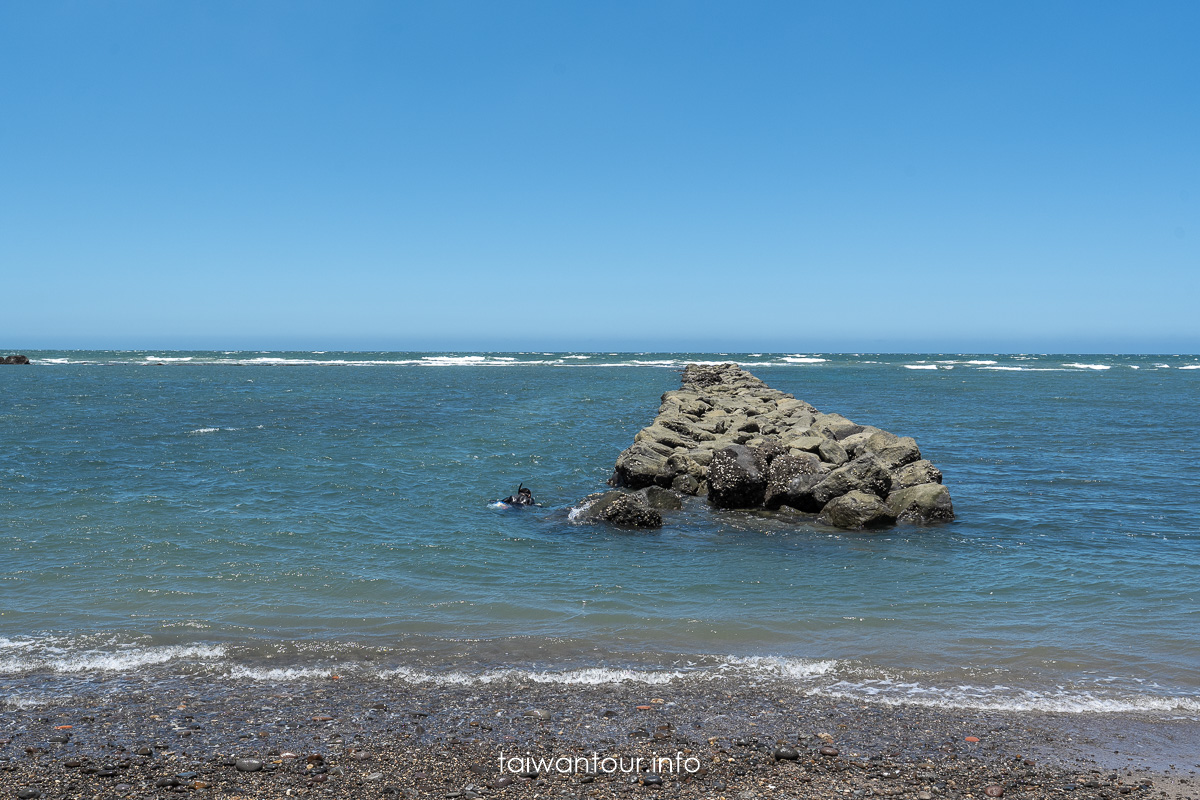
(348, 738)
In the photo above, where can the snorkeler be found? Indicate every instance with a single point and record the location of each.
(523, 497)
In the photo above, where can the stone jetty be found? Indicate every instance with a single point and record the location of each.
(728, 436)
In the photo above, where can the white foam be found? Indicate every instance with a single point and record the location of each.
(588, 676)
(22, 702)
(1088, 366)
(1005, 698)
(1189, 366)
(280, 673)
(573, 514)
(981, 362)
(123, 659)
(204, 430)
(169, 358)
(804, 360)
(775, 666)
(920, 366)
(448, 360)
(1026, 369)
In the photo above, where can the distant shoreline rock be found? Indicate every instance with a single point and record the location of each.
(14, 359)
(726, 435)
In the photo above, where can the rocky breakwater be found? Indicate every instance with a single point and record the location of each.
(728, 436)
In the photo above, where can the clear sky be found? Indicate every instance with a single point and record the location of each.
(780, 176)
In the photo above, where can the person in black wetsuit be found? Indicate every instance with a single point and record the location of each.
(523, 497)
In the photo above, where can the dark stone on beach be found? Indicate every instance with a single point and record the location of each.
(72, 763)
(14, 359)
(163, 783)
(248, 765)
(929, 502)
(652, 779)
(29, 794)
(994, 791)
(60, 738)
(735, 479)
(857, 510)
(786, 753)
(828, 750)
(537, 713)
(144, 751)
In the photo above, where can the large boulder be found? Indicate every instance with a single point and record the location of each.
(928, 502)
(915, 474)
(864, 474)
(620, 509)
(790, 480)
(857, 510)
(14, 359)
(640, 465)
(735, 478)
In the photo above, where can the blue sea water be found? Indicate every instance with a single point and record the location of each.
(269, 515)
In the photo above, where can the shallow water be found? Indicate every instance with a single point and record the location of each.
(268, 514)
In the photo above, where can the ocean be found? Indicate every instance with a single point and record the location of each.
(267, 516)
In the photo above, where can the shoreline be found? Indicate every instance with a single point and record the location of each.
(353, 737)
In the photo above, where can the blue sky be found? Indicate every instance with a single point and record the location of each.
(787, 176)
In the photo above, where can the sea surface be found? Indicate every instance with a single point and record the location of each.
(270, 516)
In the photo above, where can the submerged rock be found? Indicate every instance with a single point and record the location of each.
(623, 509)
(726, 434)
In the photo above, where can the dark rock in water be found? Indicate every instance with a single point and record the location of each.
(726, 434)
(15, 359)
(660, 499)
(735, 479)
(623, 509)
(786, 753)
(630, 511)
(638, 466)
(857, 510)
(929, 502)
(864, 474)
(790, 480)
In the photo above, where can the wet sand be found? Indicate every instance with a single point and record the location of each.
(387, 739)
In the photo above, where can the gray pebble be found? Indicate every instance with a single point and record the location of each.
(248, 765)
